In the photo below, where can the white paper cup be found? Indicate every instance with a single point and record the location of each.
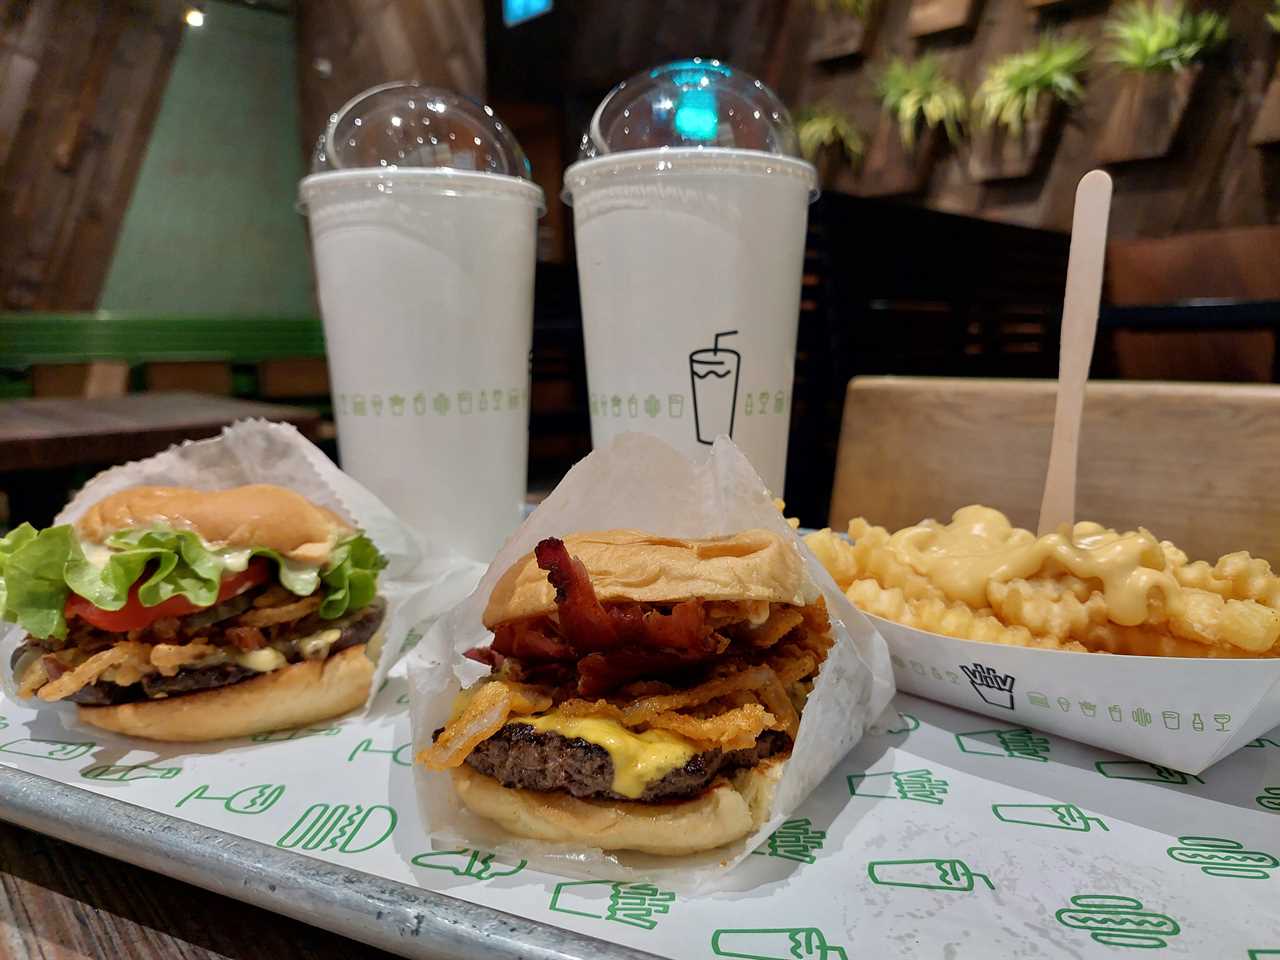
(425, 280)
(690, 264)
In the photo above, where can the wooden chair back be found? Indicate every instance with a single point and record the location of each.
(1194, 463)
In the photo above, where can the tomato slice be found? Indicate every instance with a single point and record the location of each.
(134, 616)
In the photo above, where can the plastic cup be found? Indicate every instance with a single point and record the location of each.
(689, 203)
(690, 264)
(423, 228)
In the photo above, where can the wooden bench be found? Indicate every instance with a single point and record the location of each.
(1194, 463)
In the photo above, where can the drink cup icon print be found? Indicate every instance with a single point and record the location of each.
(713, 374)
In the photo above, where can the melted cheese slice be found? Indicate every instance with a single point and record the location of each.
(638, 758)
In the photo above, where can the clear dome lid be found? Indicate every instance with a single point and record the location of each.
(690, 103)
(401, 125)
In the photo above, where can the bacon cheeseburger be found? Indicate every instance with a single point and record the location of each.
(180, 614)
(644, 690)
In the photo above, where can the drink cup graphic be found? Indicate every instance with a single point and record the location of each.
(775, 943)
(633, 406)
(675, 405)
(1172, 719)
(713, 373)
(297, 734)
(479, 864)
(48, 749)
(951, 875)
(1088, 709)
(1056, 816)
(1219, 857)
(1116, 712)
(1118, 921)
(1141, 770)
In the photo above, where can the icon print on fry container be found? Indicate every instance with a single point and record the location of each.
(1118, 921)
(1219, 857)
(259, 798)
(634, 904)
(477, 864)
(713, 373)
(775, 943)
(919, 785)
(128, 772)
(1143, 771)
(339, 826)
(1056, 816)
(401, 755)
(48, 749)
(1012, 742)
(995, 688)
(955, 876)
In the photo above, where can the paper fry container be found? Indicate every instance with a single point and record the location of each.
(640, 482)
(421, 580)
(1177, 716)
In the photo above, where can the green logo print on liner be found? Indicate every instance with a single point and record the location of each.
(775, 943)
(1260, 742)
(635, 904)
(1219, 857)
(952, 875)
(48, 749)
(1118, 921)
(299, 734)
(477, 864)
(1012, 742)
(348, 829)
(1269, 799)
(402, 755)
(259, 798)
(128, 772)
(3, 723)
(920, 785)
(795, 840)
(1143, 771)
(906, 723)
(1056, 816)
(1262, 953)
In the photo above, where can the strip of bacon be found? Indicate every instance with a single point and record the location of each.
(526, 641)
(584, 621)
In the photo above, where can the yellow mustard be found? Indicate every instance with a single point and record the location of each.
(638, 758)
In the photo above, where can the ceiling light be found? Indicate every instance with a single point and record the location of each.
(194, 18)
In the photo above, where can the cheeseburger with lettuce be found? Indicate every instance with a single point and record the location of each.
(644, 691)
(179, 614)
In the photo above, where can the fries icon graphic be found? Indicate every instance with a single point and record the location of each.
(992, 686)
(1118, 921)
(1219, 857)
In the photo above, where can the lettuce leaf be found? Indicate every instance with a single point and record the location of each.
(39, 570)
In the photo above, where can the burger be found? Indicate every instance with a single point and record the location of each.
(644, 692)
(178, 614)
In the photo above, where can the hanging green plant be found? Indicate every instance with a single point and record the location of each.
(861, 9)
(916, 91)
(1151, 36)
(823, 126)
(1273, 17)
(1011, 92)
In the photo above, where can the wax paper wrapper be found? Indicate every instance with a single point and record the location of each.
(1179, 713)
(642, 483)
(421, 581)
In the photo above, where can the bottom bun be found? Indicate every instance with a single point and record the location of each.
(728, 811)
(293, 696)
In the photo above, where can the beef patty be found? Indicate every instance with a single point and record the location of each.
(520, 756)
(358, 627)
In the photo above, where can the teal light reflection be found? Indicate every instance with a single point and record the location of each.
(696, 117)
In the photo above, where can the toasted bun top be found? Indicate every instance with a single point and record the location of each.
(643, 567)
(257, 515)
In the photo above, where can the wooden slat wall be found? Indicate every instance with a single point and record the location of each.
(346, 46)
(80, 83)
(1212, 179)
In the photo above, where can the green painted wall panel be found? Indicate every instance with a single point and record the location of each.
(211, 227)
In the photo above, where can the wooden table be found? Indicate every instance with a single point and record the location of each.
(44, 442)
(59, 902)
